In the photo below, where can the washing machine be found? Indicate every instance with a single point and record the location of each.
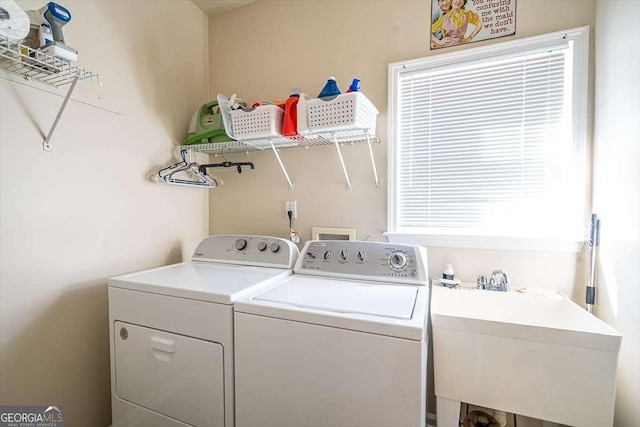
(341, 342)
(171, 331)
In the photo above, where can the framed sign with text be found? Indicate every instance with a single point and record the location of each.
(455, 22)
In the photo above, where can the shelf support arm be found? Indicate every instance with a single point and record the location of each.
(46, 144)
(284, 171)
(373, 162)
(344, 168)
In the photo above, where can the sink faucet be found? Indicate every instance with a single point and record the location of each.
(499, 281)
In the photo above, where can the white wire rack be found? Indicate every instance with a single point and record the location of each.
(32, 64)
(35, 65)
(264, 144)
(336, 139)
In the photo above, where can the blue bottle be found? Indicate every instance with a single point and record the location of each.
(355, 86)
(330, 89)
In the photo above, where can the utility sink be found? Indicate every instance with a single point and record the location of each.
(528, 352)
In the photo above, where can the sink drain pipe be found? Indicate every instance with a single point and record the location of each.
(594, 241)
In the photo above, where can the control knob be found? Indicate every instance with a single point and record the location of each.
(241, 244)
(311, 255)
(361, 255)
(327, 255)
(275, 247)
(262, 246)
(398, 260)
(344, 254)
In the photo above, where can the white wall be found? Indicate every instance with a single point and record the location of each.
(75, 216)
(617, 190)
(261, 50)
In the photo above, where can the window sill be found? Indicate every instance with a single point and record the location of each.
(488, 242)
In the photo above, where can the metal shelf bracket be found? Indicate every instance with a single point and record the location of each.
(344, 168)
(284, 170)
(373, 163)
(46, 144)
(35, 65)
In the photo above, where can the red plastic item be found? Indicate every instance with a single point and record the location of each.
(290, 118)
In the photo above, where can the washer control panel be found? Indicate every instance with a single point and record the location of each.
(364, 260)
(248, 250)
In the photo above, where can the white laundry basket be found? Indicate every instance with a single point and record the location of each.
(345, 112)
(264, 121)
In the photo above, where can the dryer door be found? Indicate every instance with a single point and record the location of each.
(174, 375)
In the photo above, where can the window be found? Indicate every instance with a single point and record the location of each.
(490, 142)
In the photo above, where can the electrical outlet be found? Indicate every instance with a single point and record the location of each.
(290, 205)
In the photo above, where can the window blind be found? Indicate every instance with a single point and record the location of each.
(485, 147)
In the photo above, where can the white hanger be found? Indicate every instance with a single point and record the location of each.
(186, 172)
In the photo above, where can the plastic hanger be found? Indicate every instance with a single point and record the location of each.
(164, 172)
(225, 164)
(190, 170)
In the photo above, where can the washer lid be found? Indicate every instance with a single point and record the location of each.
(203, 281)
(345, 296)
(373, 307)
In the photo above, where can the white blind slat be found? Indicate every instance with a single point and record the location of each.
(484, 143)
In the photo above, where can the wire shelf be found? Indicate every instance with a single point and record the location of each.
(298, 141)
(32, 64)
(336, 139)
(35, 65)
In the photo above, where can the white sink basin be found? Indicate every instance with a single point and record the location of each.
(533, 353)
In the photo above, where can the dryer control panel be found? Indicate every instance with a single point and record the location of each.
(380, 261)
(264, 251)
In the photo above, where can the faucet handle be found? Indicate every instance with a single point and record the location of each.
(504, 278)
(482, 282)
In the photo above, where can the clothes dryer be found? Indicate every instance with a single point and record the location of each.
(171, 331)
(343, 342)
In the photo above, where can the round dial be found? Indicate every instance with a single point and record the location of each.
(361, 255)
(262, 246)
(311, 255)
(275, 247)
(344, 254)
(327, 255)
(241, 244)
(398, 260)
